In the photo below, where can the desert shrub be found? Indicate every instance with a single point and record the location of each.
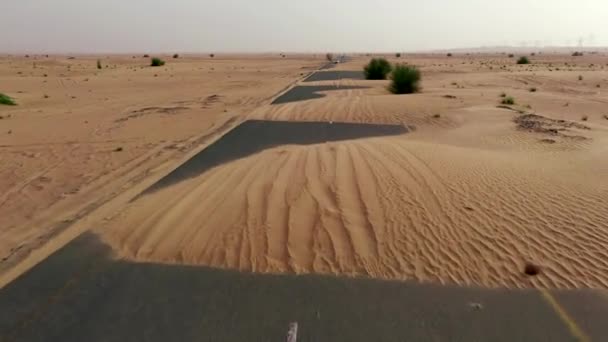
(98, 64)
(7, 100)
(398, 55)
(211, 55)
(450, 54)
(405, 80)
(533, 90)
(329, 57)
(523, 60)
(511, 55)
(146, 56)
(508, 100)
(156, 62)
(176, 56)
(503, 95)
(377, 69)
(585, 118)
(577, 54)
(580, 77)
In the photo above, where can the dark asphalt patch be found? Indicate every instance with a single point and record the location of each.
(335, 76)
(81, 294)
(254, 136)
(302, 93)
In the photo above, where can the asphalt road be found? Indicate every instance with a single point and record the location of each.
(82, 294)
(254, 136)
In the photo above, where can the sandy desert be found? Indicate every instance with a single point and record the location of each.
(250, 163)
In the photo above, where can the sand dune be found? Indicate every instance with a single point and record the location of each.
(380, 207)
(468, 197)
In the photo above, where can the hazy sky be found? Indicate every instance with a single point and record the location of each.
(295, 25)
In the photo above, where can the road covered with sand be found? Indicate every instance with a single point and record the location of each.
(468, 192)
(336, 176)
(231, 196)
(80, 136)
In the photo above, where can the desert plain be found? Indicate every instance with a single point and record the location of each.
(266, 164)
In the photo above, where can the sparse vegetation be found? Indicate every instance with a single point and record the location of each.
(511, 55)
(99, 64)
(577, 54)
(585, 118)
(118, 149)
(398, 55)
(405, 80)
(449, 54)
(580, 77)
(7, 100)
(176, 56)
(605, 116)
(533, 90)
(377, 69)
(503, 94)
(508, 100)
(211, 55)
(146, 56)
(523, 60)
(436, 116)
(156, 62)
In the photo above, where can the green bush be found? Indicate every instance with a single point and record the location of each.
(405, 80)
(157, 62)
(377, 69)
(509, 100)
(6, 100)
(523, 60)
